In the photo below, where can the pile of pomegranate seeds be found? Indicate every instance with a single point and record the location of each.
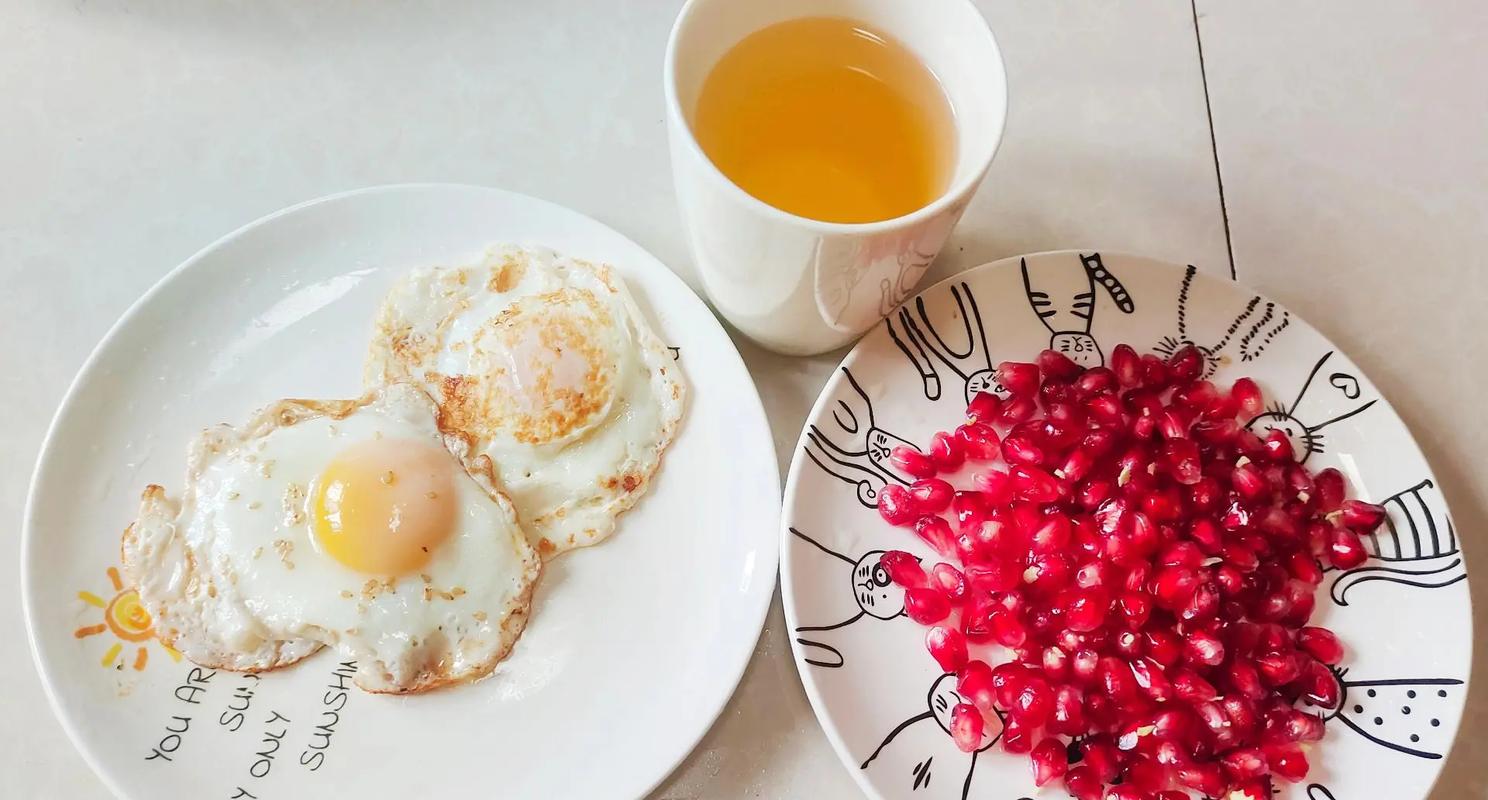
(1149, 564)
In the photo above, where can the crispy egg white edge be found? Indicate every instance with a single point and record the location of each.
(585, 520)
(155, 539)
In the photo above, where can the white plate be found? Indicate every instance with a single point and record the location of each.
(1406, 621)
(634, 645)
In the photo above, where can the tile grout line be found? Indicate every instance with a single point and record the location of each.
(1224, 210)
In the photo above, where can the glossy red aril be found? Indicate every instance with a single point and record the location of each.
(910, 461)
(1149, 562)
(1018, 378)
(947, 646)
(931, 495)
(925, 605)
(967, 725)
(984, 407)
(1049, 761)
(903, 568)
(978, 441)
(895, 505)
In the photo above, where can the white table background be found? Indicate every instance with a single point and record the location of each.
(1350, 140)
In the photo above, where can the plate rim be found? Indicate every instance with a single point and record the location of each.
(748, 406)
(788, 502)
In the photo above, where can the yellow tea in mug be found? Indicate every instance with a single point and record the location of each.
(829, 119)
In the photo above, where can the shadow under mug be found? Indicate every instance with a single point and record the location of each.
(796, 285)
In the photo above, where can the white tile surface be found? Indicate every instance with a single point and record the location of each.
(135, 132)
(1351, 139)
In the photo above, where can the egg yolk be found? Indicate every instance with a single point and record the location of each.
(383, 506)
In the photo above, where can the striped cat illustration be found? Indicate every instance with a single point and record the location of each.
(854, 449)
(1307, 438)
(924, 346)
(1062, 294)
(1417, 545)
(874, 596)
(929, 731)
(1245, 337)
(1406, 715)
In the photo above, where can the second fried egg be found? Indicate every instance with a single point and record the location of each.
(545, 365)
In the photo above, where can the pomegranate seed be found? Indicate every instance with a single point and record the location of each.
(1082, 784)
(1189, 687)
(947, 646)
(1248, 480)
(1084, 665)
(1245, 678)
(1186, 363)
(1126, 792)
(1330, 488)
(1106, 408)
(1017, 410)
(1253, 789)
(1084, 609)
(1146, 776)
(1304, 727)
(984, 407)
(1019, 379)
(946, 451)
(1207, 778)
(952, 581)
(966, 727)
(1288, 762)
(1204, 648)
(903, 568)
(1278, 669)
(1278, 446)
(1361, 516)
(1127, 365)
(1245, 763)
(1101, 756)
(1033, 701)
(1150, 679)
(1155, 373)
(1052, 535)
(1017, 449)
(1068, 714)
(1216, 431)
(995, 485)
(974, 683)
(1248, 394)
(925, 605)
(1034, 484)
(1007, 629)
(1135, 608)
(1077, 464)
(1181, 458)
(978, 441)
(1320, 687)
(1116, 679)
(912, 462)
(1113, 515)
(931, 495)
(1016, 737)
(1174, 586)
(936, 532)
(1048, 760)
(1346, 550)
(1321, 644)
(1305, 568)
(1163, 646)
(895, 505)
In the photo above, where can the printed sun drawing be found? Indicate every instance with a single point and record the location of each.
(127, 620)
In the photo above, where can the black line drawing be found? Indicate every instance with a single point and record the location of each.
(875, 596)
(676, 353)
(857, 450)
(1062, 294)
(1417, 542)
(941, 698)
(1402, 714)
(923, 345)
(1308, 439)
(912, 265)
(1317, 791)
(1253, 329)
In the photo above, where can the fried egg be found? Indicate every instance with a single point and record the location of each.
(341, 523)
(544, 364)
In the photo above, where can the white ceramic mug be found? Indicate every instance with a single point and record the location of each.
(798, 285)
